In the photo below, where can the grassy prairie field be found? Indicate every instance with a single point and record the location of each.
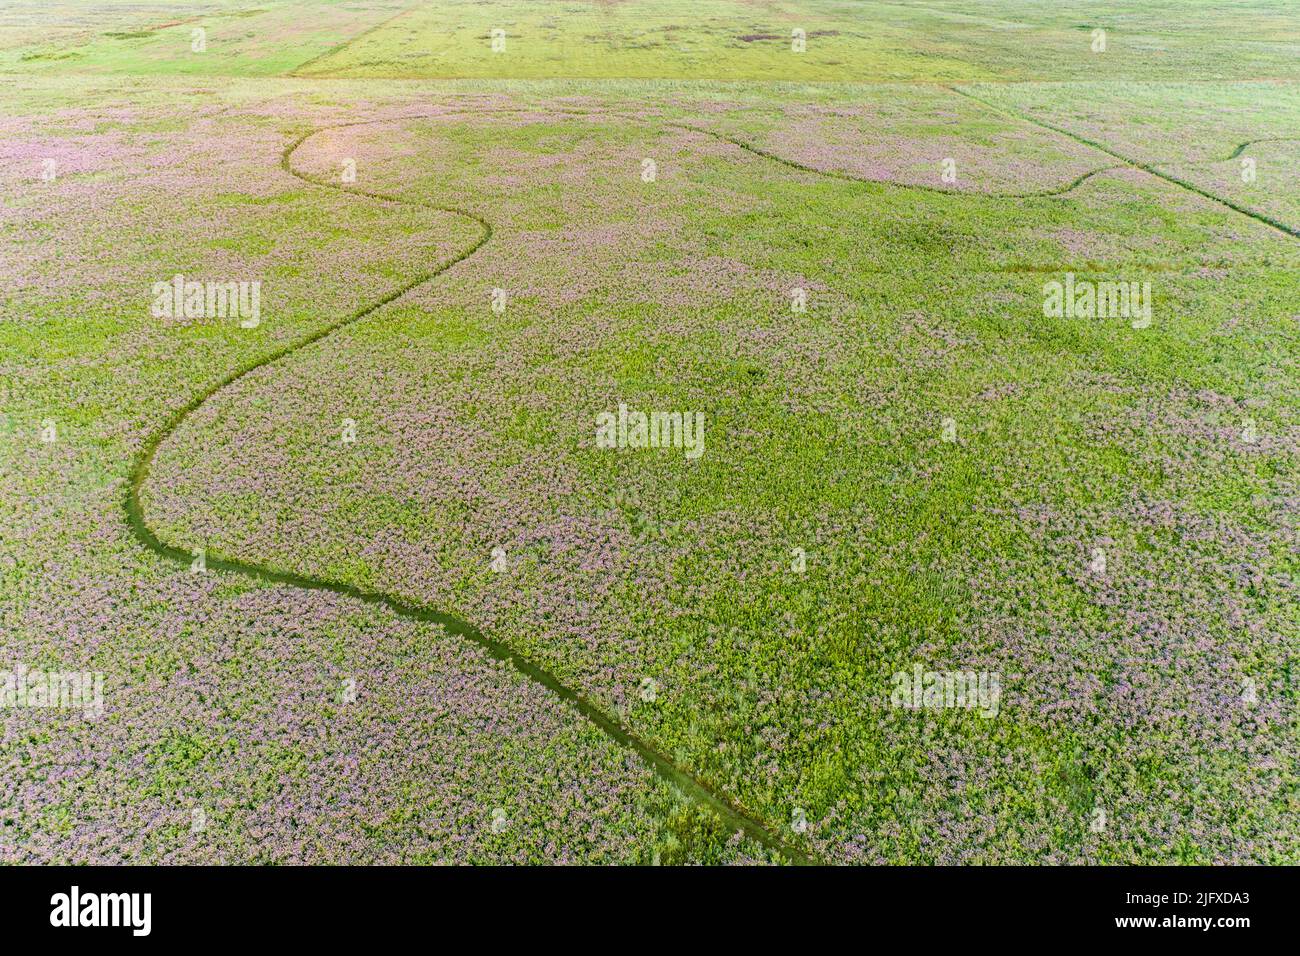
(366, 583)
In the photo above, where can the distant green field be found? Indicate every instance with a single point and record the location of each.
(844, 41)
(365, 582)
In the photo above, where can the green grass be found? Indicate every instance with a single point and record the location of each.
(1121, 689)
(847, 40)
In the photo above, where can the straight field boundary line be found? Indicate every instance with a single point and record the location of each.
(340, 47)
(1149, 168)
